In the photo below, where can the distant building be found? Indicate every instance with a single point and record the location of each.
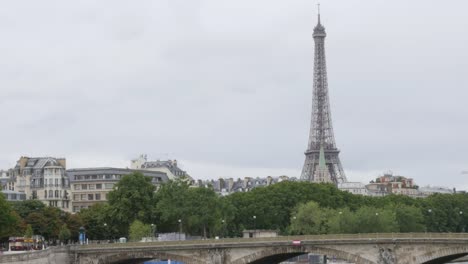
(91, 185)
(229, 185)
(13, 196)
(258, 233)
(390, 184)
(7, 182)
(43, 178)
(353, 187)
(167, 166)
(429, 190)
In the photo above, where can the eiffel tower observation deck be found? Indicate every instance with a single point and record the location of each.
(322, 163)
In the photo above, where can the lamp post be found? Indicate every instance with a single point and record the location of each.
(223, 228)
(153, 227)
(429, 211)
(339, 221)
(255, 223)
(180, 227)
(462, 222)
(105, 231)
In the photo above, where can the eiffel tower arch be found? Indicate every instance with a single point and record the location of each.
(322, 162)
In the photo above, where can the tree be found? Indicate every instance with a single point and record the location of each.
(98, 222)
(409, 219)
(374, 220)
(202, 211)
(132, 198)
(64, 234)
(24, 208)
(138, 230)
(74, 222)
(309, 219)
(342, 221)
(29, 231)
(170, 205)
(7, 218)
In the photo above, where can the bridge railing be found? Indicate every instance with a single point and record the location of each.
(340, 237)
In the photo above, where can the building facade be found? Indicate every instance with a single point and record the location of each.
(91, 185)
(227, 186)
(354, 187)
(13, 196)
(44, 179)
(170, 167)
(391, 184)
(7, 182)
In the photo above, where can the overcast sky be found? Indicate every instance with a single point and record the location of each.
(225, 87)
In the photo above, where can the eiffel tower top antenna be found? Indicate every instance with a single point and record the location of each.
(318, 7)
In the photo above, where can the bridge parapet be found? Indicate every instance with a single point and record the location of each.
(52, 255)
(390, 248)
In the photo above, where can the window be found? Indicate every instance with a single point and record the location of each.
(98, 196)
(56, 194)
(76, 209)
(98, 186)
(76, 197)
(84, 186)
(94, 177)
(83, 197)
(51, 194)
(90, 197)
(109, 185)
(92, 186)
(77, 186)
(45, 193)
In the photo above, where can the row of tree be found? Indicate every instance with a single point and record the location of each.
(135, 208)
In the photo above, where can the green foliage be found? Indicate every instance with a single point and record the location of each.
(310, 219)
(170, 204)
(64, 233)
(409, 219)
(200, 210)
(138, 230)
(132, 198)
(289, 207)
(98, 223)
(24, 208)
(8, 220)
(29, 231)
(374, 220)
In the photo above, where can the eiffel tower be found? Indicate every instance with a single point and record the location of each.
(322, 163)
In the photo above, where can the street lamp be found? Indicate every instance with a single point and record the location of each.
(255, 223)
(223, 228)
(339, 222)
(152, 231)
(105, 231)
(180, 227)
(429, 211)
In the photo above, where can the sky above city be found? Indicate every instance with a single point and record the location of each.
(225, 87)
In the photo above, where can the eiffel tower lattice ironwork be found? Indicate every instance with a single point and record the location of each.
(322, 163)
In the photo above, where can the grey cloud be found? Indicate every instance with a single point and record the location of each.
(230, 82)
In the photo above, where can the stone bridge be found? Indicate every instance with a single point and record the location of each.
(409, 248)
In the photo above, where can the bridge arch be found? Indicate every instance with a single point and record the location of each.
(141, 256)
(282, 253)
(442, 255)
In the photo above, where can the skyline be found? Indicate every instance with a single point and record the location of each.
(226, 90)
